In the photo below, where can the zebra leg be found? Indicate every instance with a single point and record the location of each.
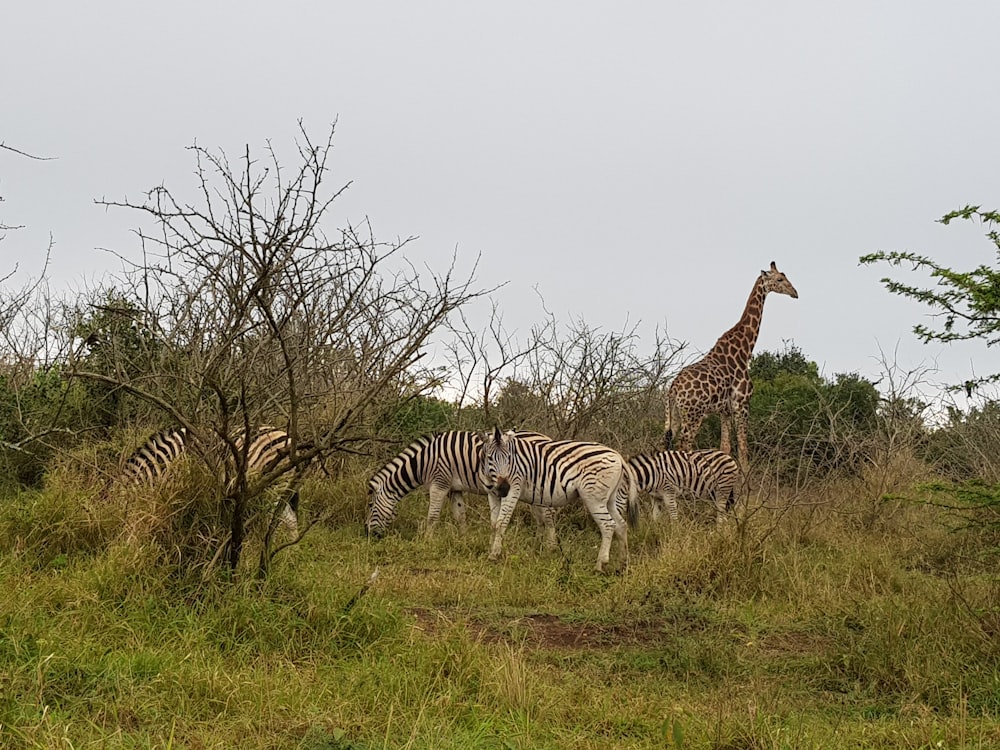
(494, 508)
(606, 524)
(671, 501)
(663, 499)
(438, 494)
(621, 530)
(458, 509)
(545, 518)
(656, 507)
(608, 529)
(506, 510)
(289, 519)
(721, 502)
(290, 513)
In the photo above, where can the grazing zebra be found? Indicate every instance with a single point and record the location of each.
(709, 474)
(447, 464)
(151, 461)
(264, 454)
(554, 473)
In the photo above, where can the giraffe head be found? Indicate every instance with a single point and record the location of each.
(775, 281)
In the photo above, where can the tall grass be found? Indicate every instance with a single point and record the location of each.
(821, 619)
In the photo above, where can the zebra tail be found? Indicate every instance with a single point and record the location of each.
(632, 508)
(731, 500)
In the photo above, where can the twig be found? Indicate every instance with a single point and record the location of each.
(361, 592)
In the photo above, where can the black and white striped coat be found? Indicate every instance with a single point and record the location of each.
(555, 473)
(264, 454)
(151, 462)
(447, 464)
(708, 474)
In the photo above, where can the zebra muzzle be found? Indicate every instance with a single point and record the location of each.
(502, 488)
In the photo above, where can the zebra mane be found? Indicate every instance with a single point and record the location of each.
(404, 458)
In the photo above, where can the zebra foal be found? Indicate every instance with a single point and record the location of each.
(448, 464)
(555, 473)
(709, 474)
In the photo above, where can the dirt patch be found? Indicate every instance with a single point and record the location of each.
(542, 630)
(794, 643)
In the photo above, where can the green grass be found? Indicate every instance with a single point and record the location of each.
(808, 631)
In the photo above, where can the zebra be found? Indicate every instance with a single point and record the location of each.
(554, 473)
(709, 474)
(447, 464)
(264, 454)
(150, 463)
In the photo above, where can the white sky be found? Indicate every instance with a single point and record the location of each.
(636, 162)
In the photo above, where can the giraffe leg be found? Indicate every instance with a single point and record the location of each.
(740, 407)
(725, 444)
(743, 459)
(689, 433)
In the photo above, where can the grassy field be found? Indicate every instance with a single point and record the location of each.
(819, 623)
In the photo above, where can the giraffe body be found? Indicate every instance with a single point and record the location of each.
(719, 383)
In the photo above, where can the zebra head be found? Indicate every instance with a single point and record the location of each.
(497, 463)
(382, 507)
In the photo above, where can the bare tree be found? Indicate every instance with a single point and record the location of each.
(31, 350)
(481, 360)
(597, 385)
(244, 313)
(25, 154)
(569, 381)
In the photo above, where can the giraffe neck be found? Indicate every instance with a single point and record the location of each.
(738, 342)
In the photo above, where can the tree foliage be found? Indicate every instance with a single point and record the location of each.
(967, 303)
(805, 423)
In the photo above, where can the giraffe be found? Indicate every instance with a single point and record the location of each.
(719, 383)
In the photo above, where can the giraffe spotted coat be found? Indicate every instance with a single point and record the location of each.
(719, 383)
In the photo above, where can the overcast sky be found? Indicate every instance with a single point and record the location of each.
(637, 163)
